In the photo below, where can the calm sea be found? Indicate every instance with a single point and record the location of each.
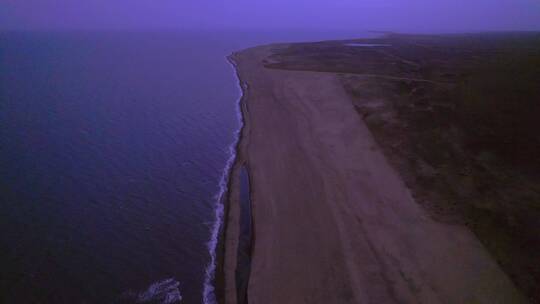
(113, 147)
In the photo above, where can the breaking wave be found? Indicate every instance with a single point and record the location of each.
(209, 296)
(162, 292)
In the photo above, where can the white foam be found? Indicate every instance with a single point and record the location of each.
(209, 296)
(164, 292)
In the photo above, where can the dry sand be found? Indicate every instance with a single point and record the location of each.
(333, 221)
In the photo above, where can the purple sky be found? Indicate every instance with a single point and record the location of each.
(397, 15)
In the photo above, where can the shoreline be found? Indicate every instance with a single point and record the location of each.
(332, 219)
(228, 239)
(230, 231)
(214, 277)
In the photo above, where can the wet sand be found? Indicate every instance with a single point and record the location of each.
(332, 220)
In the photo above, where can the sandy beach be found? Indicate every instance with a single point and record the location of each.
(333, 222)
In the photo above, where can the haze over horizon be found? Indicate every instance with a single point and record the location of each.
(392, 15)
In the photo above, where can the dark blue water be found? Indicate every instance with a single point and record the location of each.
(112, 149)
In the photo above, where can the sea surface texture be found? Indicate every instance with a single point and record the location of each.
(113, 153)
